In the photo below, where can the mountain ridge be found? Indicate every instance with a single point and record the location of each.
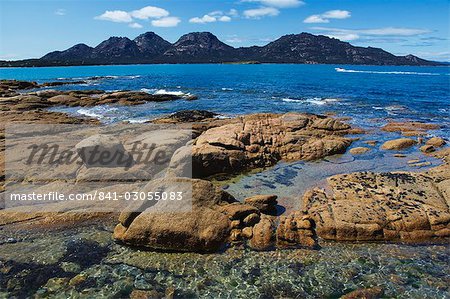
(205, 47)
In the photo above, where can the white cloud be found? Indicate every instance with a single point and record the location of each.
(148, 12)
(337, 14)
(259, 13)
(278, 3)
(387, 31)
(203, 20)
(118, 16)
(326, 16)
(160, 16)
(315, 19)
(60, 12)
(214, 16)
(234, 40)
(395, 31)
(345, 37)
(233, 12)
(8, 56)
(224, 19)
(135, 25)
(369, 34)
(166, 22)
(437, 56)
(216, 13)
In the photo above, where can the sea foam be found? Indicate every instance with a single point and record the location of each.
(314, 101)
(90, 113)
(341, 70)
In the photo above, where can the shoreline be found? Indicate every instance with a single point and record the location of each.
(219, 63)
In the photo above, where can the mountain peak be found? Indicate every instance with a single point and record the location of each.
(151, 45)
(79, 51)
(202, 37)
(114, 40)
(200, 46)
(116, 48)
(415, 59)
(148, 34)
(205, 47)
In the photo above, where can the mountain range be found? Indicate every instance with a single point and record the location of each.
(205, 47)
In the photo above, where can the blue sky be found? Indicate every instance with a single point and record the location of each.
(33, 28)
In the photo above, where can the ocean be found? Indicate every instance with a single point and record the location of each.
(361, 92)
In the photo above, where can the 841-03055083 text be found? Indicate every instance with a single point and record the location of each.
(100, 196)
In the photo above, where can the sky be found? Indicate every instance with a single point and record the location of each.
(32, 28)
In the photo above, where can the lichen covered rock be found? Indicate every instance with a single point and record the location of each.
(367, 206)
(261, 140)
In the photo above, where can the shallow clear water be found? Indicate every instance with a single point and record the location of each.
(83, 262)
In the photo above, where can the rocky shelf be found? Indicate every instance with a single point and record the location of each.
(394, 206)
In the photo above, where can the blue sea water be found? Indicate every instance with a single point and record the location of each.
(364, 93)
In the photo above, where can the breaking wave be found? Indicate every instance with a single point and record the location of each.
(89, 113)
(341, 70)
(314, 101)
(174, 93)
(99, 112)
(136, 120)
(291, 100)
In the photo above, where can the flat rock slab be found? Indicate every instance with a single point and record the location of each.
(367, 206)
(410, 128)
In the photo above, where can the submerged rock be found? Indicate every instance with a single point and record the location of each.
(359, 150)
(83, 98)
(436, 142)
(427, 148)
(398, 144)
(371, 142)
(187, 116)
(9, 87)
(410, 128)
(369, 293)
